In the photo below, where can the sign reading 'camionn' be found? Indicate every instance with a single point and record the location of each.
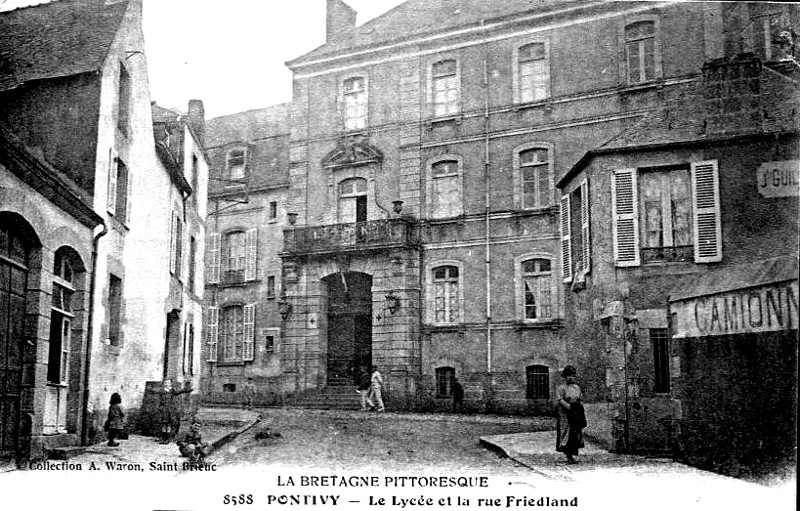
(768, 308)
(779, 179)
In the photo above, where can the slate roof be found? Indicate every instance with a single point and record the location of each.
(58, 39)
(417, 17)
(248, 126)
(265, 132)
(684, 121)
(752, 274)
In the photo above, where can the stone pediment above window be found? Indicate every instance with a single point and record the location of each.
(352, 152)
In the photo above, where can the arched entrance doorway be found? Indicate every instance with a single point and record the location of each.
(349, 326)
(16, 243)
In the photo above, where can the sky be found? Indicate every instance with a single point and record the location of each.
(233, 57)
(230, 57)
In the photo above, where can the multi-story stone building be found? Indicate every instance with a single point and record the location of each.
(683, 314)
(249, 154)
(78, 132)
(424, 151)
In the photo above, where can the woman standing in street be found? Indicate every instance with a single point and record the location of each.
(571, 416)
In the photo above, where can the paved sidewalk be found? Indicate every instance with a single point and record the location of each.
(219, 427)
(667, 482)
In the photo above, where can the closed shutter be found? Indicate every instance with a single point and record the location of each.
(707, 221)
(129, 199)
(212, 334)
(625, 217)
(251, 247)
(214, 258)
(111, 202)
(173, 242)
(249, 332)
(566, 239)
(586, 240)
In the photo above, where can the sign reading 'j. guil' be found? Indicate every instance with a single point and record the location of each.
(769, 308)
(779, 179)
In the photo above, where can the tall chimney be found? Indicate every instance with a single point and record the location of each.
(197, 120)
(340, 18)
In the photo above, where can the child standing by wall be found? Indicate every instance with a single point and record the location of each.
(115, 423)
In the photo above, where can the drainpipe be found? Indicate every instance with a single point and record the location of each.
(89, 332)
(487, 203)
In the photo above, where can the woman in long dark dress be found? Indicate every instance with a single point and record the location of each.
(571, 416)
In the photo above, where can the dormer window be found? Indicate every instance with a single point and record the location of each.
(354, 92)
(235, 163)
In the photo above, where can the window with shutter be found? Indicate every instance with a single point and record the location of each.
(212, 334)
(625, 218)
(121, 204)
(707, 221)
(173, 242)
(249, 332)
(585, 227)
(232, 333)
(214, 258)
(665, 213)
(111, 198)
(566, 239)
(252, 255)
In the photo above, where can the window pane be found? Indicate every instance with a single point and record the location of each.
(353, 85)
(533, 51)
(444, 167)
(533, 156)
(633, 62)
(445, 67)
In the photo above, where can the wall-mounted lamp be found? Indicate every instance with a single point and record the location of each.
(397, 206)
(392, 302)
(284, 307)
(292, 218)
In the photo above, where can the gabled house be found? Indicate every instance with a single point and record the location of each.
(248, 153)
(683, 231)
(74, 90)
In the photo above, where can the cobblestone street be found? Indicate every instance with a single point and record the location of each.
(343, 440)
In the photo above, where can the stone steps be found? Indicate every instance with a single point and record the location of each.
(331, 397)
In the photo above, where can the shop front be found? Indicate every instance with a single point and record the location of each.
(735, 341)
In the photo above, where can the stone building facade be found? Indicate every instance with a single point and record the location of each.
(248, 153)
(683, 313)
(468, 113)
(74, 89)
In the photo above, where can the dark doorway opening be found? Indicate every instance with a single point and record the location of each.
(349, 326)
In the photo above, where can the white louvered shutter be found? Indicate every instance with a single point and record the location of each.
(249, 332)
(212, 333)
(706, 205)
(586, 239)
(251, 247)
(173, 242)
(625, 206)
(214, 257)
(566, 239)
(111, 201)
(129, 199)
